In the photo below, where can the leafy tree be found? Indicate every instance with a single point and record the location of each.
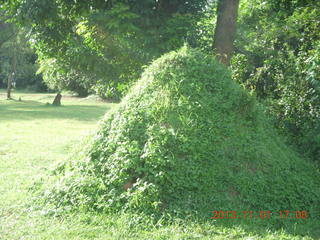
(8, 53)
(104, 41)
(17, 60)
(7, 33)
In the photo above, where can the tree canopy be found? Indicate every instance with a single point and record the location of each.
(104, 42)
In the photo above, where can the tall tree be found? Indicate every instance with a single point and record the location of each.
(18, 64)
(13, 69)
(7, 33)
(225, 30)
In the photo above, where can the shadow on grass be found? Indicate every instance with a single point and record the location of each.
(264, 227)
(31, 110)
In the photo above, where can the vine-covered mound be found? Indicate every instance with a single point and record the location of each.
(186, 138)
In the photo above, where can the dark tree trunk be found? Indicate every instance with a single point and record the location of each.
(167, 7)
(225, 30)
(57, 100)
(9, 86)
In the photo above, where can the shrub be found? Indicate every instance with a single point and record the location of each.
(186, 139)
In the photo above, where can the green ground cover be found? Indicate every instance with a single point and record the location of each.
(33, 136)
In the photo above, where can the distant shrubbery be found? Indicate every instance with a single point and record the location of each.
(186, 139)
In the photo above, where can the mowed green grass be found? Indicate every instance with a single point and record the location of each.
(33, 136)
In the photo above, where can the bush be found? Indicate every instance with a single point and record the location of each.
(57, 78)
(186, 139)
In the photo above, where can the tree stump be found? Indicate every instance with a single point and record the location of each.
(57, 100)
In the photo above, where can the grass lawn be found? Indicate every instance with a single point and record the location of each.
(34, 135)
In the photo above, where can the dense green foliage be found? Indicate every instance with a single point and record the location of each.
(278, 57)
(186, 139)
(14, 44)
(105, 43)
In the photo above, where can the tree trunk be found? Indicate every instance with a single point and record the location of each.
(12, 72)
(225, 30)
(9, 86)
(57, 100)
